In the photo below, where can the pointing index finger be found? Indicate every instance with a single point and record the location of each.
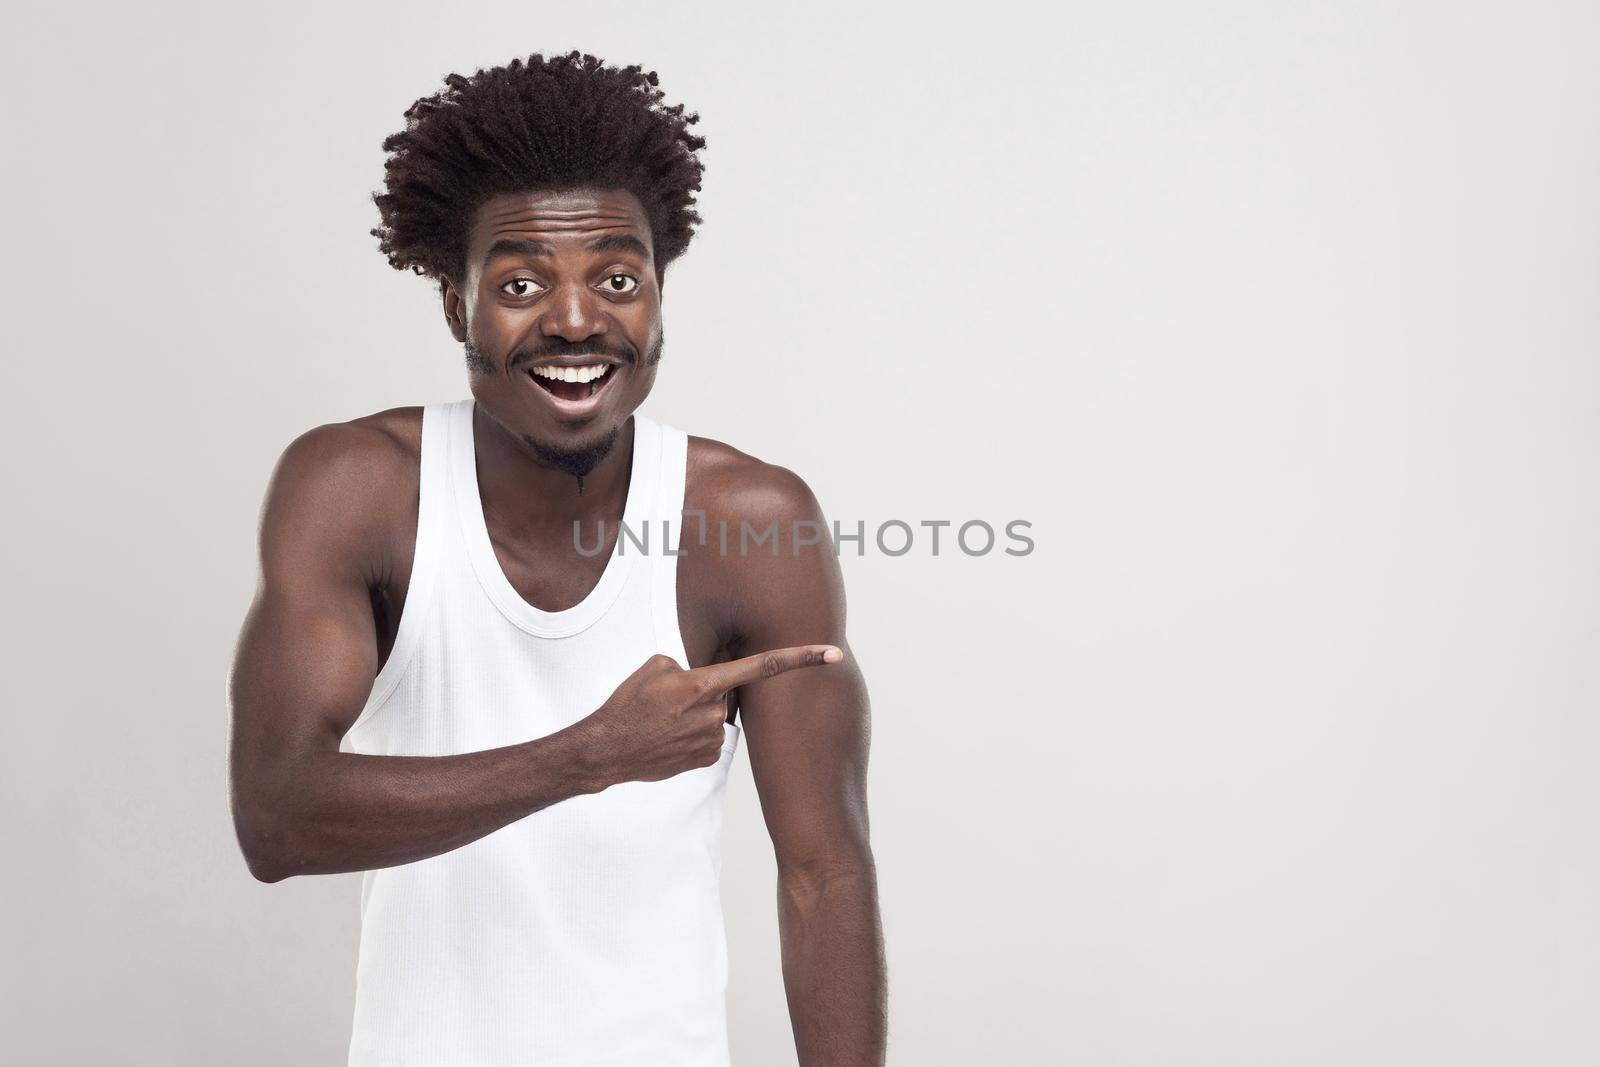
(734, 673)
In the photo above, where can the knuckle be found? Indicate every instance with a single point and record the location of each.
(692, 688)
(771, 664)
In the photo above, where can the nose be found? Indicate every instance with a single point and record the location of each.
(572, 314)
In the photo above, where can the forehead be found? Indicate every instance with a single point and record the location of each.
(557, 217)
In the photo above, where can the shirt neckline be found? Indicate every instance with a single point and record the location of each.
(492, 577)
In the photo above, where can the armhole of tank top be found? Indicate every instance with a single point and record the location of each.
(671, 496)
(424, 565)
(669, 510)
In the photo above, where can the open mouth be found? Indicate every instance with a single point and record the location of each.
(573, 384)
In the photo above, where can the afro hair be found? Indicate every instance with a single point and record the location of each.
(566, 122)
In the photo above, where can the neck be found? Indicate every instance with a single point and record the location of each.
(528, 492)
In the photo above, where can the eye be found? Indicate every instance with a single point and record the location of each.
(620, 283)
(527, 287)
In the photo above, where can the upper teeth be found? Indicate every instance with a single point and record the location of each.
(573, 374)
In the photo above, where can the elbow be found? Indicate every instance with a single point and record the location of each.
(264, 864)
(261, 842)
(267, 824)
(262, 871)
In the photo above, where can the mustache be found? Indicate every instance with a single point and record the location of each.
(559, 347)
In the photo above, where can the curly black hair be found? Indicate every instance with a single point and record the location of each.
(566, 122)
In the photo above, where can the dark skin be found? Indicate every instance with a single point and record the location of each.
(572, 277)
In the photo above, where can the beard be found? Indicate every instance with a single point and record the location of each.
(578, 460)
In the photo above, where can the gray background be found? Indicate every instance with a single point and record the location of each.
(1278, 321)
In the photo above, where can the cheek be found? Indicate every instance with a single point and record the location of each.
(504, 330)
(641, 317)
(644, 379)
(646, 333)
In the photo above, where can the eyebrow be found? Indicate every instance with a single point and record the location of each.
(523, 246)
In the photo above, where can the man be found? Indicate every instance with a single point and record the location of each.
(467, 672)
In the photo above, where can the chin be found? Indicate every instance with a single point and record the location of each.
(577, 452)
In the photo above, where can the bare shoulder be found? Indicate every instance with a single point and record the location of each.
(764, 560)
(347, 487)
(733, 485)
(359, 461)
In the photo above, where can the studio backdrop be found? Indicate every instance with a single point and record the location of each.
(1272, 325)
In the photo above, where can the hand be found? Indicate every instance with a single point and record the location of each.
(663, 720)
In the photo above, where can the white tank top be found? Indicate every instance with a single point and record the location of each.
(590, 932)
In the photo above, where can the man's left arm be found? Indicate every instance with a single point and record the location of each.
(808, 734)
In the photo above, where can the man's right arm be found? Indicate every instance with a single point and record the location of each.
(304, 664)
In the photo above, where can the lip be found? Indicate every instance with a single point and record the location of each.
(573, 410)
(573, 361)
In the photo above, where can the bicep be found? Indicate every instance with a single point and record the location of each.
(808, 731)
(307, 652)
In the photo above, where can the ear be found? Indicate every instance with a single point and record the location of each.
(454, 311)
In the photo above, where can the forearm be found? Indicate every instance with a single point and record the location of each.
(833, 965)
(328, 812)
